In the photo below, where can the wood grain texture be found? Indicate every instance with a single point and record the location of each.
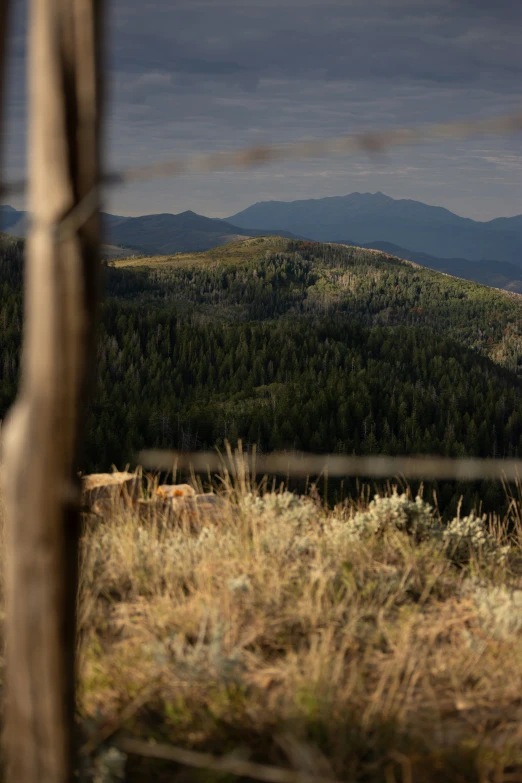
(43, 434)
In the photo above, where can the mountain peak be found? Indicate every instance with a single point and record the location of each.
(370, 217)
(378, 196)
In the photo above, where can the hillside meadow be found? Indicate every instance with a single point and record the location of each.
(367, 642)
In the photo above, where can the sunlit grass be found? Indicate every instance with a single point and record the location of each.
(377, 653)
(234, 252)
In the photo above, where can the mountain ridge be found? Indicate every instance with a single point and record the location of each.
(371, 217)
(154, 234)
(371, 220)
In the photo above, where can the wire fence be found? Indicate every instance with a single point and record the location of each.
(368, 142)
(334, 465)
(294, 463)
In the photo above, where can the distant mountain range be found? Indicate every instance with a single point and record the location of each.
(430, 236)
(12, 221)
(372, 217)
(152, 234)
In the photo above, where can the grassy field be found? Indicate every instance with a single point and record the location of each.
(237, 252)
(362, 643)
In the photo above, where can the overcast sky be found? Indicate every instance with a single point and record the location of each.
(189, 76)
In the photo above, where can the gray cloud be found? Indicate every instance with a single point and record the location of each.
(199, 75)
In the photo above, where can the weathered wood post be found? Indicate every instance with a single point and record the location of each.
(43, 434)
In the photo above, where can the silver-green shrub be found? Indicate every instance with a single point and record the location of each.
(285, 523)
(467, 538)
(399, 512)
(296, 510)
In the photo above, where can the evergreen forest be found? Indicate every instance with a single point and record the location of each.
(294, 345)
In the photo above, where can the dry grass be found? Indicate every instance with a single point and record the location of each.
(278, 631)
(371, 658)
(234, 252)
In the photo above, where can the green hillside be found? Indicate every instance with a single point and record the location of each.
(269, 278)
(295, 345)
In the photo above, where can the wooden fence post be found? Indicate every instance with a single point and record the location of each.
(43, 433)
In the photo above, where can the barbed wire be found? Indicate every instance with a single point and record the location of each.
(369, 142)
(334, 465)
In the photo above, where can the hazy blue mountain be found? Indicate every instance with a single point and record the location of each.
(450, 243)
(506, 224)
(13, 221)
(370, 217)
(186, 232)
(153, 234)
(497, 274)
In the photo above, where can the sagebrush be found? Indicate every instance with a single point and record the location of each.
(365, 635)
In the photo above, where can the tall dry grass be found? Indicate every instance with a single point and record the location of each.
(307, 636)
(374, 655)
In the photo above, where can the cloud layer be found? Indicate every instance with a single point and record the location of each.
(201, 75)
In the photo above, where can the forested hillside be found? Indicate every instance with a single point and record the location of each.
(498, 274)
(293, 345)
